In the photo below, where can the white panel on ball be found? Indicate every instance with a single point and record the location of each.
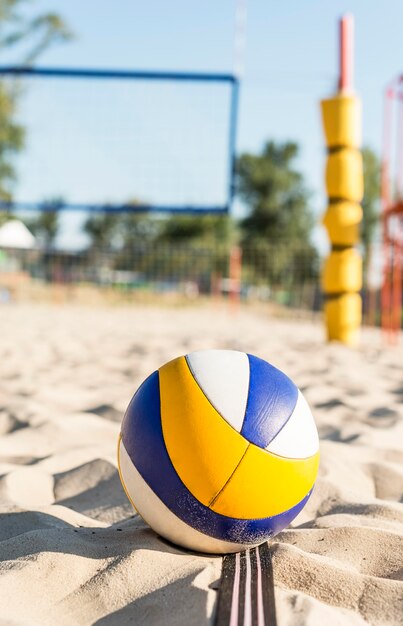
(298, 439)
(223, 375)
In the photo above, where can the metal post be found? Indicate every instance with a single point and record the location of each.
(346, 51)
(235, 270)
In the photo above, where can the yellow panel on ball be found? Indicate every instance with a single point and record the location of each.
(202, 446)
(265, 484)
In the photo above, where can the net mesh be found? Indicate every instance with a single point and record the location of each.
(112, 141)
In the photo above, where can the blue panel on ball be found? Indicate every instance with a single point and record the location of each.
(144, 442)
(271, 400)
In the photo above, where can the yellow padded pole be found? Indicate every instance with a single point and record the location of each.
(343, 317)
(342, 271)
(344, 178)
(342, 221)
(342, 120)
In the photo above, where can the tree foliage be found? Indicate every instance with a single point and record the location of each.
(46, 225)
(197, 229)
(29, 35)
(122, 231)
(279, 221)
(275, 194)
(126, 230)
(101, 230)
(26, 36)
(11, 141)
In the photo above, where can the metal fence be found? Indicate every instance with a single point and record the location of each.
(284, 275)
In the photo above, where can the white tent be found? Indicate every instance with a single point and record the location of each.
(14, 234)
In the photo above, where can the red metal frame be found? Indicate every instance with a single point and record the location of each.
(392, 210)
(235, 274)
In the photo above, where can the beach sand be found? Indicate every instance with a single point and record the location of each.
(72, 549)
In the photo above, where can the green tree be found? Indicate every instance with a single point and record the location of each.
(11, 142)
(131, 236)
(27, 37)
(138, 236)
(107, 230)
(101, 229)
(198, 229)
(370, 204)
(46, 225)
(138, 229)
(275, 235)
(275, 194)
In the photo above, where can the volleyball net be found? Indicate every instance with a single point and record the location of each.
(95, 140)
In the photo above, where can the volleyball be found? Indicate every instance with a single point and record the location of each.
(218, 451)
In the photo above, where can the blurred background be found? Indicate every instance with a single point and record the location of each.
(172, 153)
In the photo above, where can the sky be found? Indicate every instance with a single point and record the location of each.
(290, 59)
